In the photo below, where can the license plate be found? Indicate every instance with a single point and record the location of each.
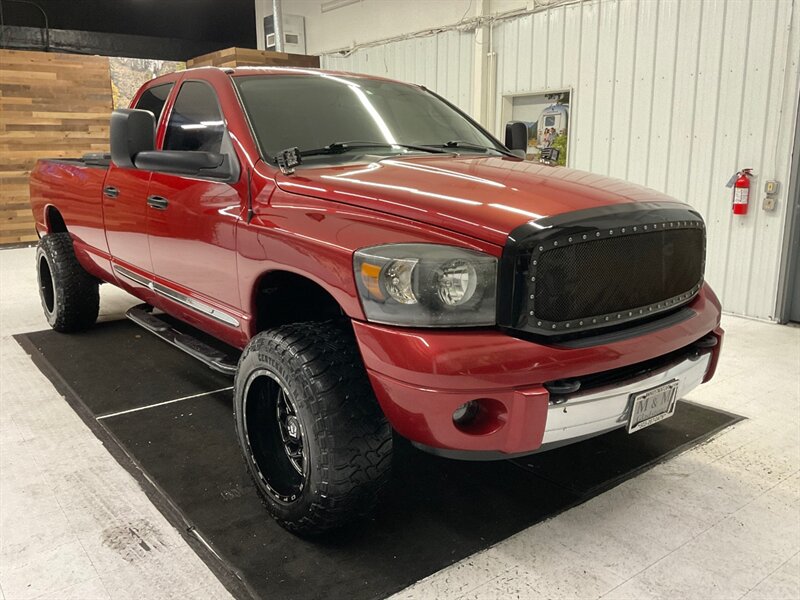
(652, 406)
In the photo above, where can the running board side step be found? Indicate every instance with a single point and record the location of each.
(214, 359)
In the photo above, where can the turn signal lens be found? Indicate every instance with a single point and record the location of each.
(370, 275)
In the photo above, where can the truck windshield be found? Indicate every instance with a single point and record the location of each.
(312, 111)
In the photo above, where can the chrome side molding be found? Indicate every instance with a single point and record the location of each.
(179, 297)
(133, 276)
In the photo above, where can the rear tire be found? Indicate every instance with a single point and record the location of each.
(70, 296)
(313, 437)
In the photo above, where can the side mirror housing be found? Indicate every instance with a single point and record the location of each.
(185, 162)
(132, 131)
(516, 136)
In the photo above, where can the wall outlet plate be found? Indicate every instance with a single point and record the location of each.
(769, 203)
(771, 187)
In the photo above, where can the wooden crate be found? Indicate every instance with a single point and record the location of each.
(247, 57)
(51, 105)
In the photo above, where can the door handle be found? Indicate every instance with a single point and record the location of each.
(158, 202)
(110, 192)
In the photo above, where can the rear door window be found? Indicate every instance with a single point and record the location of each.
(154, 98)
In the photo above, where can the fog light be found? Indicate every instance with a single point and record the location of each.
(481, 416)
(465, 413)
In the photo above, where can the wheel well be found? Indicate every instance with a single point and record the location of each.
(283, 297)
(54, 220)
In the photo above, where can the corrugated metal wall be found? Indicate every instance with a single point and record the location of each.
(440, 62)
(677, 95)
(674, 94)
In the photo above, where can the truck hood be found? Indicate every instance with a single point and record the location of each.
(483, 197)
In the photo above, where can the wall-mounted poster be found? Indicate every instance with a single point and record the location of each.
(547, 116)
(129, 74)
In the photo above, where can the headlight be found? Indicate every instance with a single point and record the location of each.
(426, 285)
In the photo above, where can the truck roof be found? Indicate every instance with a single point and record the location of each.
(250, 71)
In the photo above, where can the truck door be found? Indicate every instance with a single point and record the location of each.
(192, 220)
(124, 200)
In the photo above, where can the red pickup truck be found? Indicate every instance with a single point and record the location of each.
(383, 264)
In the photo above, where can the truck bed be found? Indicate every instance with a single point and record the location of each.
(75, 187)
(90, 159)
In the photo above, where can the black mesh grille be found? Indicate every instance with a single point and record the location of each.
(614, 274)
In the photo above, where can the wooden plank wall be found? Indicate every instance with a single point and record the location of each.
(248, 57)
(51, 105)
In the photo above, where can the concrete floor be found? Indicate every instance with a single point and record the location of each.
(719, 521)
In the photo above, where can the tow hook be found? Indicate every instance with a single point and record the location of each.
(706, 342)
(562, 387)
(703, 344)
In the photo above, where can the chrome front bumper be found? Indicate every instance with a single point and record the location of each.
(596, 411)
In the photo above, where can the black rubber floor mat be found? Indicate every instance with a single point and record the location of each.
(438, 512)
(117, 366)
(595, 465)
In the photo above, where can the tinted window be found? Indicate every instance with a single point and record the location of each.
(195, 122)
(312, 111)
(153, 99)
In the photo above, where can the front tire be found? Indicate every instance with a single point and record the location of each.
(70, 296)
(312, 434)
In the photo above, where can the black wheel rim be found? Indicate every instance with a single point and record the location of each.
(275, 436)
(47, 288)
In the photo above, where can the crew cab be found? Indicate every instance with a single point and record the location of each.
(374, 263)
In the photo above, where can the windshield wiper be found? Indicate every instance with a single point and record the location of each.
(341, 147)
(473, 146)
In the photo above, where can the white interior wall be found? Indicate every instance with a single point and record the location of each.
(367, 21)
(442, 63)
(674, 94)
(677, 95)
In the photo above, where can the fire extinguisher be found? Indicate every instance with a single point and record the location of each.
(741, 191)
